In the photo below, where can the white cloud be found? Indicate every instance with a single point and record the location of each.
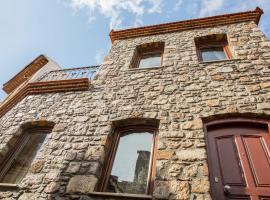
(210, 7)
(114, 9)
(178, 4)
(155, 6)
(131, 13)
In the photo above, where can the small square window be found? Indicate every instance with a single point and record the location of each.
(213, 48)
(148, 55)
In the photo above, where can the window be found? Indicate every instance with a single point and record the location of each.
(131, 162)
(18, 160)
(213, 47)
(148, 55)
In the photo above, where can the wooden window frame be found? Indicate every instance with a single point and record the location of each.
(21, 140)
(113, 146)
(213, 41)
(212, 45)
(146, 50)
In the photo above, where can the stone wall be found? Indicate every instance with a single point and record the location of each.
(179, 94)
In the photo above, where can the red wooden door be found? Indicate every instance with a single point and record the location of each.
(239, 160)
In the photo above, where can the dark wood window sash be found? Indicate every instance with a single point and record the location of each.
(12, 154)
(21, 141)
(108, 164)
(222, 45)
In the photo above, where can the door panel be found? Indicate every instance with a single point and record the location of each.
(229, 162)
(259, 164)
(239, 160)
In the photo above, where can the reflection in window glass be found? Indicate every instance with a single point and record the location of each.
(131, 164)
(152, 60)
(213, 54)
(22, 162)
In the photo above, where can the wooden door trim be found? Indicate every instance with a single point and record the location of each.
(214, 122)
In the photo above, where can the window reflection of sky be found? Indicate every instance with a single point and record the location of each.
(150, 61)
(126, 155)
(213, 54)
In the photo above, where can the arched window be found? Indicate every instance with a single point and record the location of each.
(131, 161)
(20, 156)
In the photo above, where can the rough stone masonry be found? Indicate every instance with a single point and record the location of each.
(179, 94)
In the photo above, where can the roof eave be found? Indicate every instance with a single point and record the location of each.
(187, 25)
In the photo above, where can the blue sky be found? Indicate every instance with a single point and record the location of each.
(74, 33)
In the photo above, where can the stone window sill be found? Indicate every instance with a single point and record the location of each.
(7, 186)
(217, 61)
(109, 194)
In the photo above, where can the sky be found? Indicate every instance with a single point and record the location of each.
(75, 33)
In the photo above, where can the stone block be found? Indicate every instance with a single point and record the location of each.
(264, 106)
(213, 102)
(265, 85)
(253, 88)
(192, 125)
(81, 118)
(53, 175)
(164, 154)
(200, 186)
(73, 167)
(37, 166)
(225, 69)
(82, 184)
(191, 155)
(180, 189)
(52, 187)
(29, 196)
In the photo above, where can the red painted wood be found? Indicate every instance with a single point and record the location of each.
(239, 158)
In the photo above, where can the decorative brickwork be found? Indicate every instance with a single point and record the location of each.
(25, 74)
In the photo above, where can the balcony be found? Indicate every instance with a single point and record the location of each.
(69, 74)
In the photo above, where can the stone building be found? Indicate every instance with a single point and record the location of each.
(175, 111)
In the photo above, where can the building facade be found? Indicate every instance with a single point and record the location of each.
(175, 111)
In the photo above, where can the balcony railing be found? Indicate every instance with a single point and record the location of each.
(67, 74)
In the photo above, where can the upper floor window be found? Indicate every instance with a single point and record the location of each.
(131, 160)
(148, 55)
(213, 48)
(18, 160)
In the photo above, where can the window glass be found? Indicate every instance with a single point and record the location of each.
(213, 54)
(23, 160)
(152, 60)
(131, 164)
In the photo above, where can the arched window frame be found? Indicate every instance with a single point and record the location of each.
(113, 145)
(19, 142)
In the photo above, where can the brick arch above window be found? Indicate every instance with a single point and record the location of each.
(135, 121)
(234, 116)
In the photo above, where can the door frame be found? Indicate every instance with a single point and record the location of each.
(221, 122)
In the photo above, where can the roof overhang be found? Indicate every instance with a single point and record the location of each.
(206, 22)
(25, 73)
